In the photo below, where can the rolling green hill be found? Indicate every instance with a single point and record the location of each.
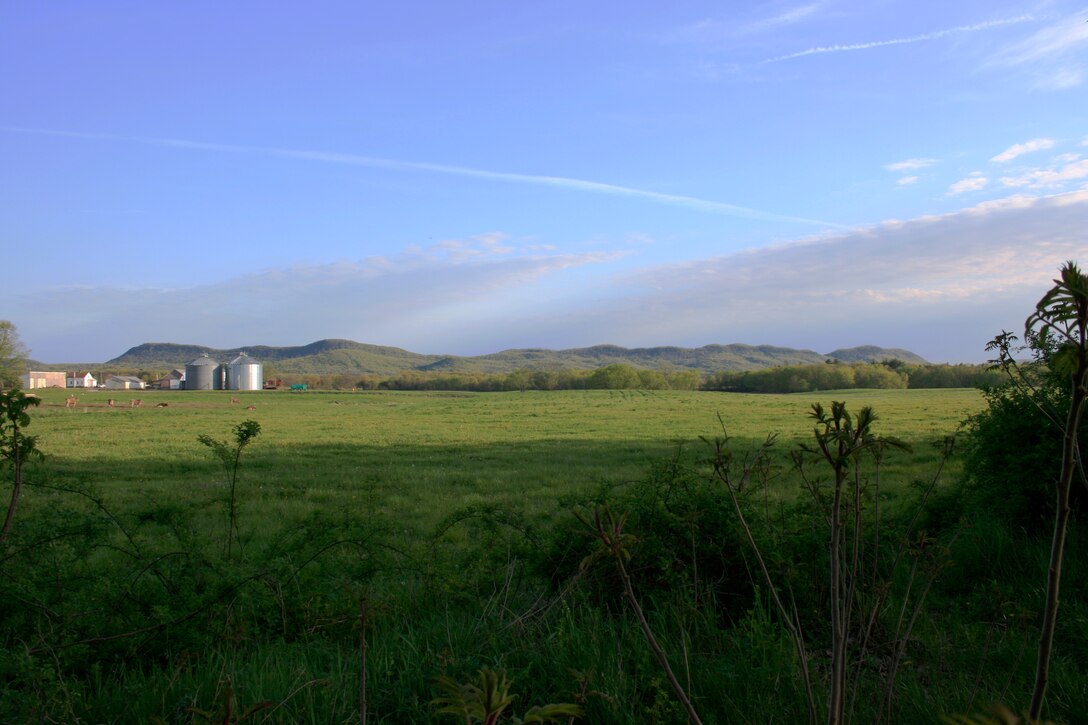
(872, 353)
(347, 357)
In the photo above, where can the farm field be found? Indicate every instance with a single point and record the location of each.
(417, 456)
(441, 526)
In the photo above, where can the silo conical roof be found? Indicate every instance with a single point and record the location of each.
(204, 360)
(243, 359)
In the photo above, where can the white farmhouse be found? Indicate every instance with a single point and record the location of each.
(82, 379)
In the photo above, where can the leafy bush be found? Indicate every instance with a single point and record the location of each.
(1013, 453)
(686, 537)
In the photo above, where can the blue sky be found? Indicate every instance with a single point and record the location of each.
(464, 178)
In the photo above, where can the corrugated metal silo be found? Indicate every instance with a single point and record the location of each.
(244, 374)
(202, 374)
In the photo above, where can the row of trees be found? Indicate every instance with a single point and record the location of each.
(618, 376)
(891, 374)
(610, 377)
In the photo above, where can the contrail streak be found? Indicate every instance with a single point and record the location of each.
(902, 41)
(562, 182)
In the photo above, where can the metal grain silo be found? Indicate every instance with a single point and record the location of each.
(244, 374)
(202, 374)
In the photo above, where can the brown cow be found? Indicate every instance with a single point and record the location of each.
(70, 401)
(136, 403)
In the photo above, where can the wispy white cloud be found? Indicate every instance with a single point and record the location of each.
(1039, 144)
(1063, 37)
(1061, 79)
(714, 31)
(492, 244)
(924, 37)
(1054, 55)
(1049, 178)
(910, 164)
(971, 183)
(907, 180)
(788, 16)
(560, 182)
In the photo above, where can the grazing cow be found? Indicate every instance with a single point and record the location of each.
(136, 403)
(234, 400)
(251, 407)
(70, 401)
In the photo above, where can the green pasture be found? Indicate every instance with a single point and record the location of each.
(417, 456)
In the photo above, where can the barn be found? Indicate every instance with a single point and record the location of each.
(40, 379)
(174, 380)
(124, 382)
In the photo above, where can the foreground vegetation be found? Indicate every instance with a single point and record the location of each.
(439, 526)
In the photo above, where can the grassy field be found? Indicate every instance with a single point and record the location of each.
(417, 456)
(451, 514)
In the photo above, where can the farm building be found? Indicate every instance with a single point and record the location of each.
(244, 373)
(37, 379)
(124, 382)
(173, 380)
(204, 374)
(81, 379)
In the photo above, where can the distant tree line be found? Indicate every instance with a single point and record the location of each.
(837, 376)
(610, 377)
(891, 374)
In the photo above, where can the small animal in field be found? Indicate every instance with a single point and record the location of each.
(110, 402)
(234, 400)
(161, 405)
(136, 403)
(251, 407)
(70, 401)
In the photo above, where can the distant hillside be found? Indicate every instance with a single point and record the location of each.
(356, 358)
(323, 356)
(872, 353)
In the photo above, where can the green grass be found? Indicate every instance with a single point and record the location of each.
(420, 455)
